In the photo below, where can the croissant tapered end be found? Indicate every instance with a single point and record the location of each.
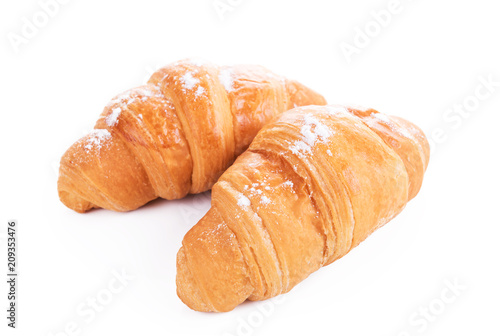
(74, 202)
(211, 271)
(92, 175)
(404, 137)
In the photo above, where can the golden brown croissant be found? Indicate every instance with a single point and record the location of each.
(174, 136)
(312, 185)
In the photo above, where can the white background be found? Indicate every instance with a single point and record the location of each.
(429, 57)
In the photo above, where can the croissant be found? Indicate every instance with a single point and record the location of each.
(174, 136)
(313, 184)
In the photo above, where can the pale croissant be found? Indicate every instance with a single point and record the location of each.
(174, 136)
(312, 185)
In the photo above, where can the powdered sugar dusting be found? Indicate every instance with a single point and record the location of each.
(226, 79)
(300, 147)
(189, 81)
(96, 139)
(265, 200)
(199, 91)
(253, 190)
(320, 131)
(256, 190)
(243, 201)
(125, 99)
(112, 119)
(313, 131)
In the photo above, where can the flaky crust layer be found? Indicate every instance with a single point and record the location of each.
(174, 136)
(312, 185)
